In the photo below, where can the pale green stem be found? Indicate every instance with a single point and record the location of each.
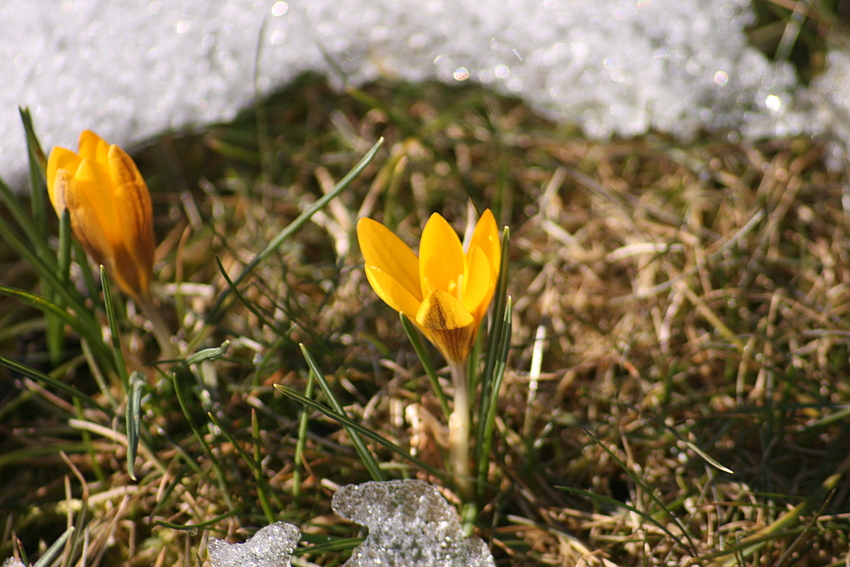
(459, 431)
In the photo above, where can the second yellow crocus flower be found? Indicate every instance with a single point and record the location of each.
(109, 207)
(446, 290)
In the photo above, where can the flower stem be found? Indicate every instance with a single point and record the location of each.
(459, 430)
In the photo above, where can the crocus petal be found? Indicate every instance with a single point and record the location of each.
(393, 293)
(134, 212)
(442, 311)
(85, 223)
(386, 251)
(92, 181)
(60, 159)
(486, 237)
(478, 283)
(92, 147)
(448, 325)
(441, 258)
(109, 207)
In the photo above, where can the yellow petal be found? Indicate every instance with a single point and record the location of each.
(85, 223)
(441, 258)
(94, 188)
(486, 237)
(92, 147)
(441, 311)
(385, 251)
(478, 284)
(134, 213)
(393, 293)
(60, 160)
(448, 325)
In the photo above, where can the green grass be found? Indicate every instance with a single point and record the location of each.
(694, 300)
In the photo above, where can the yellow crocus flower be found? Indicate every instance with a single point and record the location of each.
(446, 290)
(109, 207)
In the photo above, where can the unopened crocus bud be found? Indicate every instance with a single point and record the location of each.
(109, 207)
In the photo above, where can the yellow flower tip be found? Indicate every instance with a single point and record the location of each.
(446, 291)
(109, 206)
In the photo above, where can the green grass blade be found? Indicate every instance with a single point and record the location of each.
(54, 550)
(303, 418)
(362, 450)
(51, 381)
(109, 304)
(181, 373)
(55, 334)
(37, 165)
(217, 311)
(263, 490)
(494, 337)
(498, 345)
(253, 463)
(482, 448)
(246, 302)
(83, 321)
(138, 381)
(25, 221)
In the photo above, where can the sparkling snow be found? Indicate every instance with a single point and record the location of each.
(132, 69)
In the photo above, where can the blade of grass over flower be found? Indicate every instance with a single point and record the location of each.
(649, 492)
(55, 334)
(488, 424)
(35, 226)
(303, 418)
(182, 373)
(217, 311)
(352, 425)
(496, 337)
(134, 417)
(362, 450)
(88, 276)
(118, 353)
(39, 376)
(425, 360)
